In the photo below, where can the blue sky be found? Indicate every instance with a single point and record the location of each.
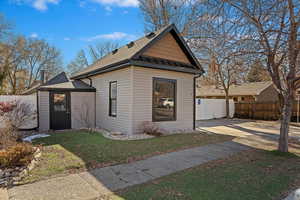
(72, 25)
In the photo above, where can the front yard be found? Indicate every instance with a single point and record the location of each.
(251, 175)
(70, 152)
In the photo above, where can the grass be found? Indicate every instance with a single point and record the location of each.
(251, 175)
(72, 151)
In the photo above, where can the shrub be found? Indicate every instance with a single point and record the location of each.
(8, 136)
(17, 113)
(14, 115)
(18, 155)
(150, 128)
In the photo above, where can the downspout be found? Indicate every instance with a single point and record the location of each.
(91, 84)
(37, 109)
(91, 81)
(194, 100)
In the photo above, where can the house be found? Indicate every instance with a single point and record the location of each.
(246, 92)
(150, 79)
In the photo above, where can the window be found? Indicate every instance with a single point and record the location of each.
(59, 102)
(113, 99)
(164, 100)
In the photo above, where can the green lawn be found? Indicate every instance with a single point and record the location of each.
(252, 175)
(72, 151)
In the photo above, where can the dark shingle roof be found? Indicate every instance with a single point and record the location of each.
(61, 82)
(132, 50)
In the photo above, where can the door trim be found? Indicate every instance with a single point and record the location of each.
(69, 118)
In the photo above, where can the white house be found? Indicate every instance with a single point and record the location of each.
(150, 79)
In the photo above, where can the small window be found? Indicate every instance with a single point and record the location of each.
(164, 100)
(59, 102)
(113, 99)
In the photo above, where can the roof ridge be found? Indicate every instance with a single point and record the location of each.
(157, 34)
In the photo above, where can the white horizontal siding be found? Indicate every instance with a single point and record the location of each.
(123, 121)
(142, 99)
(82, 109)
(44, 115)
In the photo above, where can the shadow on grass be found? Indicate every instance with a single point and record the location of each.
(256, 174)
(74, 151)
(95, 151)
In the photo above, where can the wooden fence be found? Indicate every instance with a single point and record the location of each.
(263, 111)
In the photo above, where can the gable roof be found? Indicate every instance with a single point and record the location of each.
(59, 78)
(245, 89)
(61, 82)
(129, 55)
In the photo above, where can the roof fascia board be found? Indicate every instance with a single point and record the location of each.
(66, 89)
(166, 67)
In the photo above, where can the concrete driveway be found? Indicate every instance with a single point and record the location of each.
(255, 133)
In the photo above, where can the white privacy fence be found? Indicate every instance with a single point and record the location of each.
(29, 99)
(213, 108)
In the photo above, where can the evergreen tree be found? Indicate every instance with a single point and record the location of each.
(80, 62)
(257, 73)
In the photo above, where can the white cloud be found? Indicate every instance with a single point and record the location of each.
(40, 5)
(82, 4)
(43, 4)
(67, 38)
(112, 36)
(34, 35)
(108, 9)
(120, 3)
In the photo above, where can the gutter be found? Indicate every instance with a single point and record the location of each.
(130, 62)
(194, 99)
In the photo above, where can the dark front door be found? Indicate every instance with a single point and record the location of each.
(60, 115)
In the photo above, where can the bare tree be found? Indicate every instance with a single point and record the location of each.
(159, 13)
(41, 56)
(80, 62)
(13, 55)
(273, 25)
(5, 28)
(101, 49)
(219, 40)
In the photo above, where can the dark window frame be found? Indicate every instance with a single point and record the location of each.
(174, 81)
(112, 99)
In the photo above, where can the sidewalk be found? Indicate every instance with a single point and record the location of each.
(103, 181)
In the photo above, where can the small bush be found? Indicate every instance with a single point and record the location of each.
(14, 115)
(8, 136)
(18, 155)
(150, 128)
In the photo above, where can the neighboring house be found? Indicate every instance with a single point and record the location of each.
(246, 92)
(150, 79)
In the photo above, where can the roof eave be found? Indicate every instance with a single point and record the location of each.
(127, 63)
(68, 89)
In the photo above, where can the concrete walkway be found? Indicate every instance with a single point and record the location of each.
(103, 181)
